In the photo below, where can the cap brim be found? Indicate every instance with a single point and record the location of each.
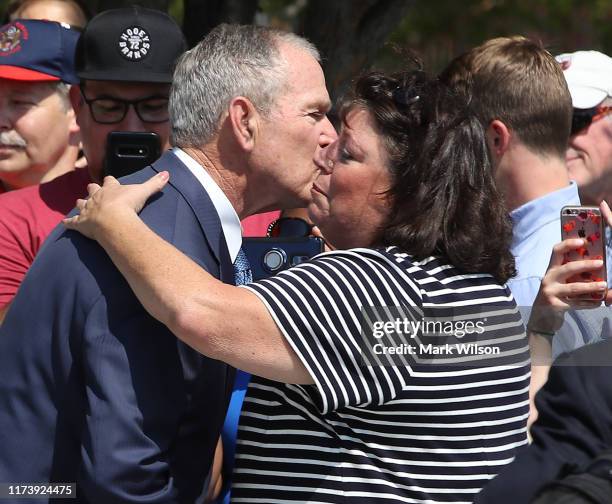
(122, 76)
(585, 97)
(25, 74)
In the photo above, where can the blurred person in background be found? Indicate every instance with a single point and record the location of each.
(72, 12)
(408, 189)
(589, 156)
(115, 93)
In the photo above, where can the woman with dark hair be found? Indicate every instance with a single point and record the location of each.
(340, 409)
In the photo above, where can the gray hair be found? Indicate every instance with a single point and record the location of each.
(63, 90)
(232, 60)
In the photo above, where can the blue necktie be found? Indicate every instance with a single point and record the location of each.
(242, 269)
(242, 276)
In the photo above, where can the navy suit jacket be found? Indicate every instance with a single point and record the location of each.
(574, 426)
(95, 391)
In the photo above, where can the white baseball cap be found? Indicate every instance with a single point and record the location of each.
(589, 77)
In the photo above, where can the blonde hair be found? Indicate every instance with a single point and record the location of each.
(517, 81)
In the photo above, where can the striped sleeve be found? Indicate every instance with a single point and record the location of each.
(318, 308)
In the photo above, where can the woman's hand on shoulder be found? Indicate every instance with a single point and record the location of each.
(109, 204)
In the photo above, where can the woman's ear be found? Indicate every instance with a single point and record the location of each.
(243, 117)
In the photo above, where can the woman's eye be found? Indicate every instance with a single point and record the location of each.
(345, 155)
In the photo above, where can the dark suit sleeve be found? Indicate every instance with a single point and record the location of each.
(573, 426)
(130, 413)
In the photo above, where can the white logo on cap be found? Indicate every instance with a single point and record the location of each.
(134, 43)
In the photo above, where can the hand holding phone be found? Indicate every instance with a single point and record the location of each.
(586, 223)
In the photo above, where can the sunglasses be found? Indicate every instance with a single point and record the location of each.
(582, 118)
(289, 227)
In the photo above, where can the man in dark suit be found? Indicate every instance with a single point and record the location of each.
(92, 389)
(574, 426)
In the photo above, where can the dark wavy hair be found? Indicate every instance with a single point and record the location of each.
(443, 195)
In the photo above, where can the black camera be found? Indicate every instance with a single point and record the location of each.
(269, 256)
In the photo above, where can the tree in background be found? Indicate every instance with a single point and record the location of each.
(351, 34)
(443, 29)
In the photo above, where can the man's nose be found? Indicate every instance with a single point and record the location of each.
(131, 121)
(326, 158)
(328, 133)
(5, 117)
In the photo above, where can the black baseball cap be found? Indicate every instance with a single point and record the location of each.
(132, 44)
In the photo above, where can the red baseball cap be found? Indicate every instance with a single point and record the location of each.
(35, 50)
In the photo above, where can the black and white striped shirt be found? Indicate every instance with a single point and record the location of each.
(432, 431)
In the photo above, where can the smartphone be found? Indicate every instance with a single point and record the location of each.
(585, 222)
(130, 151)
(268, 256)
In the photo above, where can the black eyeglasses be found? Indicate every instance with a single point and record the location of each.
(583, 118)
(289, 227)
(106, 110)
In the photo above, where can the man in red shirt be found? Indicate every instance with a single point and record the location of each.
(117, 92)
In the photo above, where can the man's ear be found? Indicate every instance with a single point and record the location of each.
(498, 138)
(243, 118)
(73, 127)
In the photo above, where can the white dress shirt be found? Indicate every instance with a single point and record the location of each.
(230, 223)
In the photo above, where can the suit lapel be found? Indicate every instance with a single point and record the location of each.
(186, 184)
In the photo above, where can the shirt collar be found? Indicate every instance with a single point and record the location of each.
(534, 214)
(230, 223)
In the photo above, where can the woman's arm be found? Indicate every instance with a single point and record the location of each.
(219, 320)
(554, 298)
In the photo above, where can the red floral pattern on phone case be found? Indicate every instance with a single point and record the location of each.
(586, 223)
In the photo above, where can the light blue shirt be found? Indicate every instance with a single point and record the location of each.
(537, 229)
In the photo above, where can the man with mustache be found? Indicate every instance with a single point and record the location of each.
(39, 137)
